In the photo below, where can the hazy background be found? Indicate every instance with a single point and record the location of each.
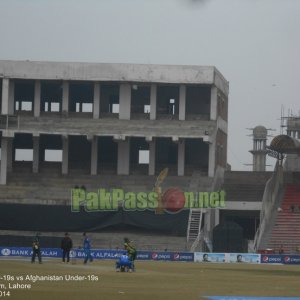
(254, 43)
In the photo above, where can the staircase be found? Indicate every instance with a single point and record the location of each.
(286, 230)
(197, 183)
(195, 233)
(194, 225)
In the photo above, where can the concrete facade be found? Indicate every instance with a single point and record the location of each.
(113, 72)
(5, 96)
(110, 115)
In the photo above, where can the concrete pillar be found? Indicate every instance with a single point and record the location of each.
(182, 101)
(96, 105)
(181, 157)
(80, 106)
(153, 96)
(125, 101)
(36, 154)
(9, 154)
(213, 103)
(259, 161)
(37, 98)
(207, 220)
(152, 151)
(123, 157)
(65, 155)
(217, 216)
(11, 98)
(65, 97)
(5, 96)
(4, 156)
(94, 155)
(211, 159)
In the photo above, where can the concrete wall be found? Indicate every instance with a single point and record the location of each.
(292, 163)
(221, 149)
(272, 197)
(113, 72)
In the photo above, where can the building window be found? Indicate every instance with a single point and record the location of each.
(23, 105)
(24, 155)
(147, 109)
(53, 155)
(144, 157)
(55, 106)
(87, 107)
(115, 108)
(172, 107)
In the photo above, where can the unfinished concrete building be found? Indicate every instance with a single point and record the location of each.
(292, 125)
(110, 125)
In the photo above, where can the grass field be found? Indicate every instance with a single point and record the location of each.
(153, 280)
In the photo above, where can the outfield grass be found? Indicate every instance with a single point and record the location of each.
(154, 280)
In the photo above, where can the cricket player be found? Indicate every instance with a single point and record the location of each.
(36, 249)
(131, 251)
(66, 246)
(124, 263)
(87, 248)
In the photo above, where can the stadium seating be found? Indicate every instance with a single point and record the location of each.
(103, 240)
(286, 230)
(51, 188)
(245, 186)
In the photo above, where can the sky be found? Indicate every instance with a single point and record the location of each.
(255, 44)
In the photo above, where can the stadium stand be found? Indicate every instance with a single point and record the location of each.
(286, 230)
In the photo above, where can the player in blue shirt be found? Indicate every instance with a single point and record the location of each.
(124, 263)
(87, 248)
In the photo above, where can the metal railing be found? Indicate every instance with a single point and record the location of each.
(199, 235)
